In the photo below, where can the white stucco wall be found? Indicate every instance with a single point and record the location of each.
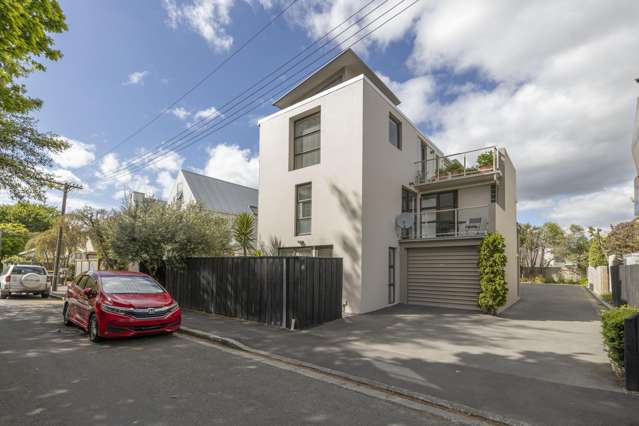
(506, 224)
(188, 195)
(336, 181)
(386, 170)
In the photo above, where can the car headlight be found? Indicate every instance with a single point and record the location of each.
(115, 309)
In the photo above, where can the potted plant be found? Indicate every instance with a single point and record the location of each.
(485, 161)
(455, 168)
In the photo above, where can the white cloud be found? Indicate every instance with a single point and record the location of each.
(600, 209)
(136, 78)
(180, 112)
(414, 95)
(165, 180)
(169, 160)
(203, 117)
(208, 18)
(79, 154)
(64, 175)
(233, 164)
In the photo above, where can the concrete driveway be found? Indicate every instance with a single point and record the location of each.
(542, 362)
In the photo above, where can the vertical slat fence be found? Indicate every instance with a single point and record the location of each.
(251, 288)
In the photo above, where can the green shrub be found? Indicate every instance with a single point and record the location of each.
(607, 297)
(612, 331)
(485, 159)
(583, 281)
(492, 270)
(596, 255)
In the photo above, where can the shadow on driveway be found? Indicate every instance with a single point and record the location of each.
(541, 362)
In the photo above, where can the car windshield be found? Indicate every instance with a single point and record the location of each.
(122, 284)
(23, 270)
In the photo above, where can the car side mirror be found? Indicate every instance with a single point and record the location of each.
(89, 292)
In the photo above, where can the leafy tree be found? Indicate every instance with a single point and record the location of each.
(13, 239)
(244, 231)
(623, 238)
(153, 233)
(492, 271)
(596, 253)
(97, 225)
(36, 217)
(577, 246)
(44, 243)
(24, 42)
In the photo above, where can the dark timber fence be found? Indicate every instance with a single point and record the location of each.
(624, 282)
(306, 290)
(631, 352)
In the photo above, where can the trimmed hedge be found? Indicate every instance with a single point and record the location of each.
(612, 331)
(492, 271)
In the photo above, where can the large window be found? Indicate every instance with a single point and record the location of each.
(395, 131)
(303, 206)
(306, 141)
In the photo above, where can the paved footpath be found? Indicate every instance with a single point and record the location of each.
(541, 363)
(51, 375)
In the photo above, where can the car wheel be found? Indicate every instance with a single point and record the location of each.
(44, 295)
(93, 329)
(65, 315)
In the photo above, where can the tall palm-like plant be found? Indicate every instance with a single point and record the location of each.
(244, 231)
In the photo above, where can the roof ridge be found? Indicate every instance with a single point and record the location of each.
(218, 179)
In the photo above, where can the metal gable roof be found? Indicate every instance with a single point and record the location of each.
(219, 195)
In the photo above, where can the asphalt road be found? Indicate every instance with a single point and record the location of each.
(51, 374)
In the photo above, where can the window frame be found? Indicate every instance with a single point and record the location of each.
(294, 138)
(298, 203)
(398, 123)
(392, 267)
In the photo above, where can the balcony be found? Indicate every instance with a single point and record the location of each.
(472, 222)
(447, 171)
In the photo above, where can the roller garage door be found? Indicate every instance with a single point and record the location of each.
(443, 276)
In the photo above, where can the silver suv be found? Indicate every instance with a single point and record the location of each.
(24, 279)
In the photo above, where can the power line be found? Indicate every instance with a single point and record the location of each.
(199, 125)
(230, 120)
(201, 81)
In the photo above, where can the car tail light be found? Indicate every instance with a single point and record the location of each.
(7, 279)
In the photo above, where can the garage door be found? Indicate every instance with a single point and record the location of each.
(443, 276)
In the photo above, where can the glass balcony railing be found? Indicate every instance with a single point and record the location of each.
(445, 223)
(469, 163)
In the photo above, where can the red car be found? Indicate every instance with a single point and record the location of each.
(120, 304)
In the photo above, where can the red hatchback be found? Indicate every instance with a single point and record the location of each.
(120, 304)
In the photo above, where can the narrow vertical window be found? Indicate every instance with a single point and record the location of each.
(408, 206)
(391, 275)
(395, 132)
(303, 207)
(306, 141)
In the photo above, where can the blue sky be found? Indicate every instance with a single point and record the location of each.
(469, 76)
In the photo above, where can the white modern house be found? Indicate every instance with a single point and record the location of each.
(635, 154)
(344, 173)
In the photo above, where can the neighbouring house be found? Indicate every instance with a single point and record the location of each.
(225, 198)
(344, 173)
(635, 154)
(86, 258)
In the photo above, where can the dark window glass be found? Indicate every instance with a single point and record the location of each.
(130, 284)
(395, 132)
(90, 282)
(23, 270)
(391, 274)
(303, 208)
(306, 141)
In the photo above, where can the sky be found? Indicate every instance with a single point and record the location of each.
(550, 82)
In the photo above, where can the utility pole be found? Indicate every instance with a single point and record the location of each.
(58, 247)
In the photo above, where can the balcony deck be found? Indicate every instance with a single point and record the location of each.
(446, 172)
(447, 224)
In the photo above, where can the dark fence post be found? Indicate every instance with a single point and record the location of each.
(631, 352)
(615, 284)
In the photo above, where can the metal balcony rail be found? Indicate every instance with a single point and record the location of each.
(448, 223)
(469, 163)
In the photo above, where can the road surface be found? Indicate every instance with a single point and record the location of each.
(51, 374)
